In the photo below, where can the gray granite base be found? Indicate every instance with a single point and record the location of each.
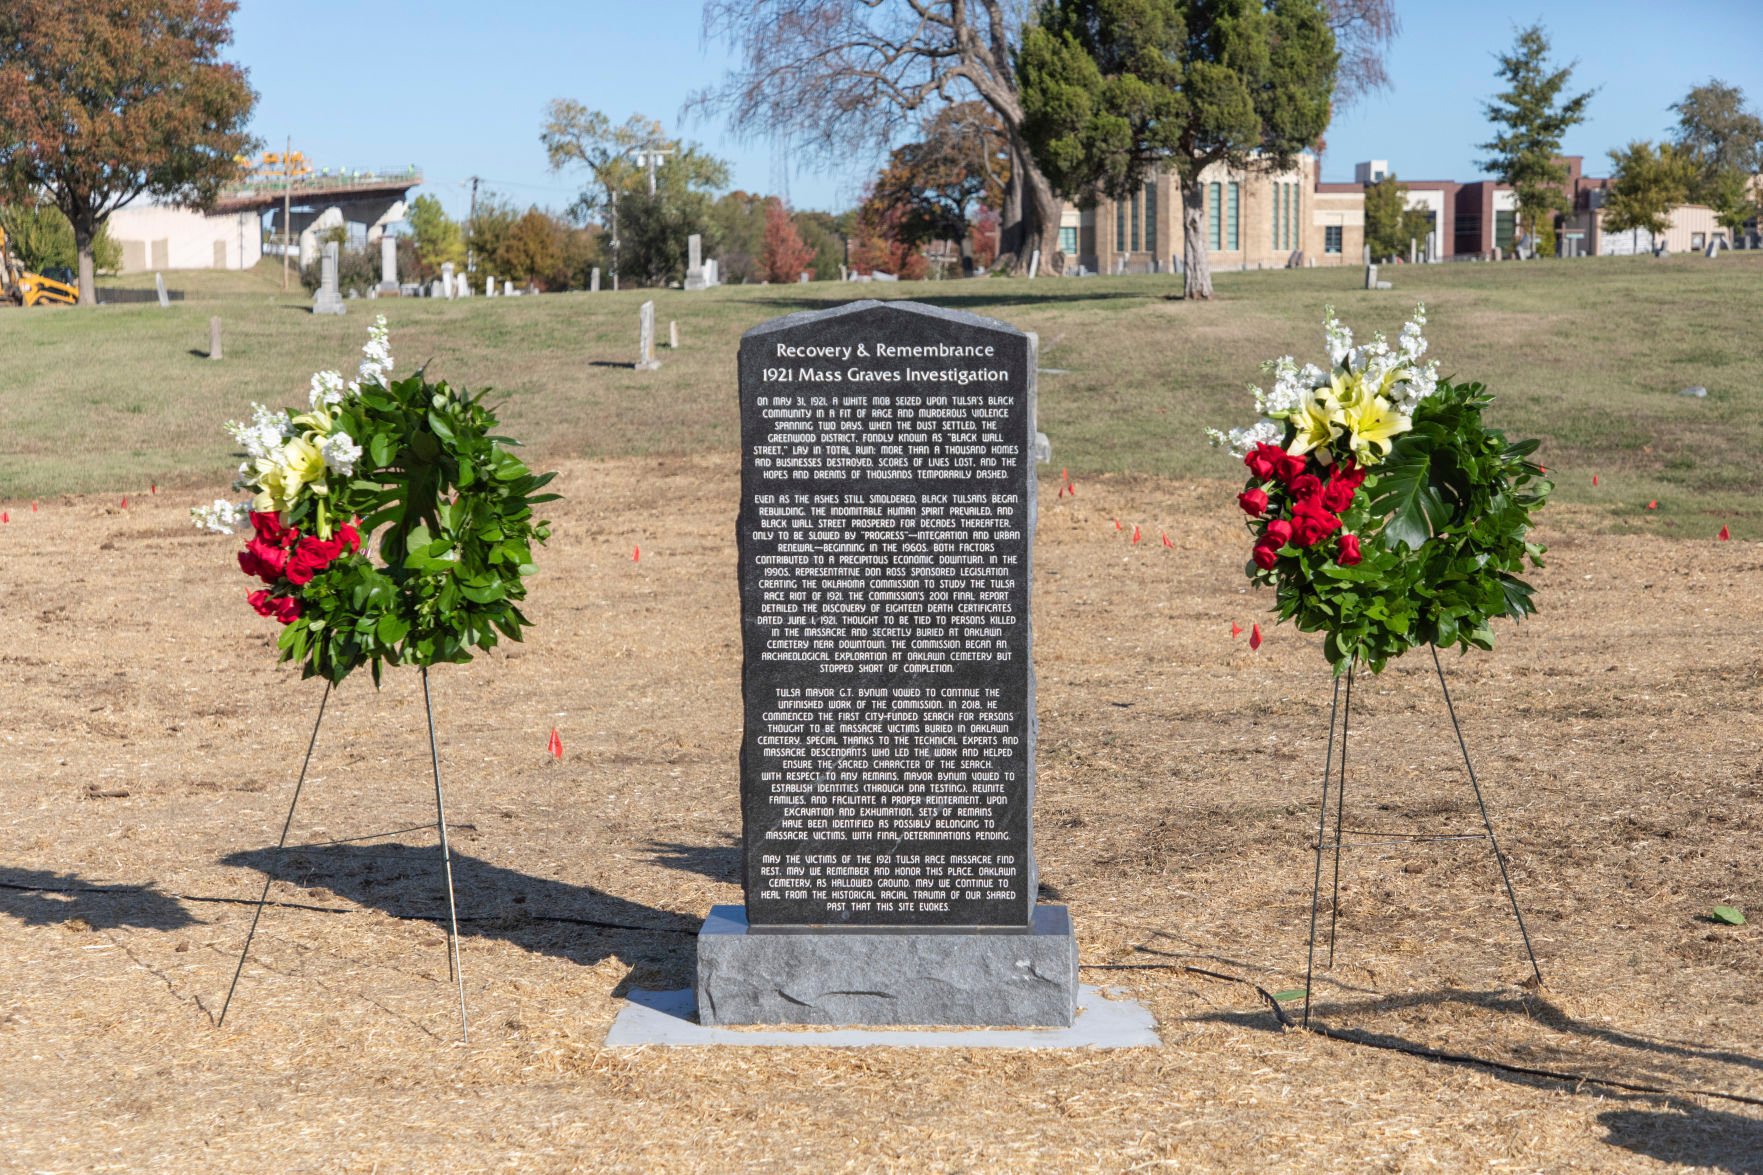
(887, 977)
(1106, 1019)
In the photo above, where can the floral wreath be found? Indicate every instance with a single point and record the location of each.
(412, 463)
(1385, 513)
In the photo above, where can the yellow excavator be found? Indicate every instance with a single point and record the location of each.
(57, 286)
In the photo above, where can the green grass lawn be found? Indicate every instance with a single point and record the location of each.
(1590, 355)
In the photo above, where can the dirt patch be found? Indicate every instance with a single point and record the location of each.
(150, 742)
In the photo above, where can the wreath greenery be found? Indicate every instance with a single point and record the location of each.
(414, 465)
(1428, 509)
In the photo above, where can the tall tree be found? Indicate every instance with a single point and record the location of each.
(1531, 116)
(1723, 139)
(1648, 182)
(1363, 30)
(784, 254)
(575, 136)
(1115, 90)
(41, 238)
(104, 101)
(1389, 223)
(959, 165)
(654, 226)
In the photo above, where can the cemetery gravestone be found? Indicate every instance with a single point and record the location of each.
(489, 286)
(887, 764)
(673, 334)
(1034, 264)
(327, 300)
(695, 263)
(388, 264)
(159, 285)
(508, 288)
(594, 280)
(646, 360)
(214, 338)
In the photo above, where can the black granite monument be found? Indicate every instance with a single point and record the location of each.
(887, 766)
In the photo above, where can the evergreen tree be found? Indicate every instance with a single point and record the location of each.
(1114, 90)
(1533, 117)
(1723, 140)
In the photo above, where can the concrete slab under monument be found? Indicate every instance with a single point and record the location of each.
(1105, 1019)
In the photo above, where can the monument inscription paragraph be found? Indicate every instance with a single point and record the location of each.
(887, 514)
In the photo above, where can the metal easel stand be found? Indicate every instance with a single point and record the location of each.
(453, 969)
(1340, 713)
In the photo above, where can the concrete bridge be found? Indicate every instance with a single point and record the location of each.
(327, 200)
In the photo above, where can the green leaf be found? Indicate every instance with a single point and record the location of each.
(380, 448)
(392, 628)
(1729, 915)
(1290, 994)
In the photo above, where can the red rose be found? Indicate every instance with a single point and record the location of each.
(1278, 533)
(1350, 472)
(285, 608)
(1290, 466)
(1305, 486)
(1264, 556)
(1253, 502)
(1310, 525)
(263, 559)
(350, 536)
(1264, 460)
(1347, 553)
(312, 556)
(1338, 494)
(260, 601)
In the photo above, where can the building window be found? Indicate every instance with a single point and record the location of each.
(1138, 221)
(1230, 220)
(1698, 240)
(1505, 229)
(1068, 239)
(1120, 226)
(1151, 217)
(1279, 199)
(1214, 238)
(1331, 239)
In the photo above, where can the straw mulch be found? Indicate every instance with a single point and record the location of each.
(149, 743)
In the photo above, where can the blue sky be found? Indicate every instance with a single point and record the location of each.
(459, 88)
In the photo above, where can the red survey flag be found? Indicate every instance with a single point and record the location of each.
(153, 487)
(1166, 541)
(1135, 532)
(1236, 630)
(1594, 479)
(636, 554)
(5, 517)
(125, 501)
(33, 506)
(1653, 505)
(1117, 525)
(555, 746)
(1723, 535)
(1255, 636)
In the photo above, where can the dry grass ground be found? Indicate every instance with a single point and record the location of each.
(148, 746)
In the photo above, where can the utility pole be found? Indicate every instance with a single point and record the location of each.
(287, 206)
(470, 255)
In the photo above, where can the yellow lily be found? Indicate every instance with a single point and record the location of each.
(297, 463)
(1317, 420)
(1370, 425)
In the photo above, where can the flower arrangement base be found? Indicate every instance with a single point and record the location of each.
(454, 974)
(1335, 771)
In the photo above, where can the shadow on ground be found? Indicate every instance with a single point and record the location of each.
(574, 922)
(1690, 1135)
(37, 897)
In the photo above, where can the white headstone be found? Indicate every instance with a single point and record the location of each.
(507, 288)
(214, 338)
(1413, 251)
(1370, 276)
(1713, 249)
(436, 290)
(447, 287)
(388, 263)
(327, 300)
(594, 280)
(844, 274)
(489, 286)
(713, 272)
(695, 279)
(464, 284)
(673, 334)
(646, 360)
(1034, 264)
(159, 284)
(1432, 246)
(806, 276)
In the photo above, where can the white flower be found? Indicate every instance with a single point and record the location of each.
(376, 355)
(264, 434)
(1241, 440)
(327, 389)
(340, 452)
(223, 517)
(1338, 335)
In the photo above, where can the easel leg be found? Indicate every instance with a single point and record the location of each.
(280, 848)
(1340, 799)
(1487, 822)
(1321, 819)
(453, 971)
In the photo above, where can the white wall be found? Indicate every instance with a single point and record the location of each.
(154, 237)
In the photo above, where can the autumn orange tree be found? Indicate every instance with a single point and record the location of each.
(104, 101)
(783, 253)
(959, 165)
